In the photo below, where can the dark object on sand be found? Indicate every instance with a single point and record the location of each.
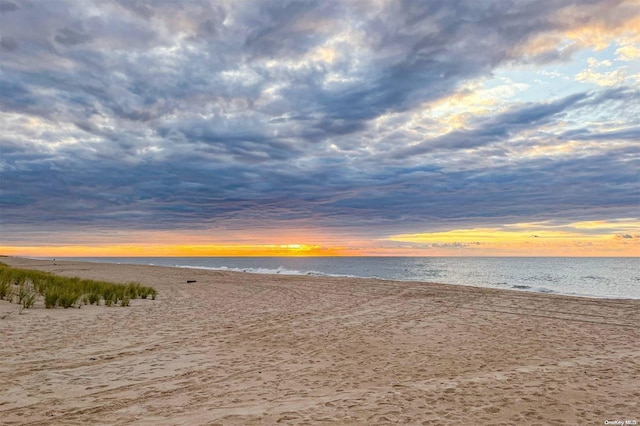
(191, 281)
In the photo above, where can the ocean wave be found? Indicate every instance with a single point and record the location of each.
(594, 278)
(542, 290)
(268, 271)
(532, 288)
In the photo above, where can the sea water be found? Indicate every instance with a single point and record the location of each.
(591, 277)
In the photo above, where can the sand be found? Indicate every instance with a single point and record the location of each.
(248, 349)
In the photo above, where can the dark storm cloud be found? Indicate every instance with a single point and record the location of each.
(586, 135)
(285, 28)
(7, 6)
(186, 193)
(165, 114)
(71, 36)
(7, 43)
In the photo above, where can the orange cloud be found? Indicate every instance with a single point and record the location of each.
(594, 26)
(579, 239)
(621, 25)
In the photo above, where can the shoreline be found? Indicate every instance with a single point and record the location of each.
(283, 271)
(287, 271)
(239, 348)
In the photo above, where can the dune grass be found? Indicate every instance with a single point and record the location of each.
(27, 286)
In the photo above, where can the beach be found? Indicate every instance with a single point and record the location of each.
(236, 348)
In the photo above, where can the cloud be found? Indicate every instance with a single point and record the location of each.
(632, 134)
(628, 53)
(594, 74)
(70, 36)
(494, 129)
(142, 115)
(7, 43)
(518, 238)
(7, 6)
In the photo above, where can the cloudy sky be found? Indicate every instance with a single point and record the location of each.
(320, 127)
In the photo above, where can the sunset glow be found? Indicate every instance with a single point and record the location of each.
(579, 239)
(172, 250)
(520, 240)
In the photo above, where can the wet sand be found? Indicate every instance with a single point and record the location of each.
(236, 348)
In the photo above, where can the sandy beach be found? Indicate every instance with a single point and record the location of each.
(245, 349)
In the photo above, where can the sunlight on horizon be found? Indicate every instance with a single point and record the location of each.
(579, 239)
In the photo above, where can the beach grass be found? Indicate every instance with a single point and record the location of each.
(28, 286)
(5, 290)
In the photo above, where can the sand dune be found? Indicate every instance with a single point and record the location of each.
(236, 348)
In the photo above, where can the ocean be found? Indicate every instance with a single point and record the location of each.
(589, 277)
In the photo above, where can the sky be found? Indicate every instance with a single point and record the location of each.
(425, 128)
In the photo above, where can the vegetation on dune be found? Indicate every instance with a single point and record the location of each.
(27, 286)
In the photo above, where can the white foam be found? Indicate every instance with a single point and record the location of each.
(280, 270)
